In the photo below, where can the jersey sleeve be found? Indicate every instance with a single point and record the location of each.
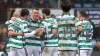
(43, 24)
(11, 27)
(54, 25)
(79, 23)
(9, 22)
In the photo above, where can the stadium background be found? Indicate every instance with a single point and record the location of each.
(7, 7)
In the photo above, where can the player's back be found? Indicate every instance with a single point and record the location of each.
(67, 32)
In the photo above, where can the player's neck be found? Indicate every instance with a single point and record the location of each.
(23, 18)
(82, 19)
(34, 20)
(47, 17)
(66, 12)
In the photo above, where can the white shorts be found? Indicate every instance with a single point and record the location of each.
(67, 53)
(85, 52)
(16, 52)
(51, 51)
(32, 50)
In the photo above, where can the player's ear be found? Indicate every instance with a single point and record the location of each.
(70, 8)
(61, 10)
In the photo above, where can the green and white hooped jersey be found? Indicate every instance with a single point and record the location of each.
(85, 37)
(9, 22)
(33, 41)
(17, 41)
(67, 32)
(50, 39)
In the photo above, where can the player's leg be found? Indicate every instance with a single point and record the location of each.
(47, 51)
(22, 52)
(67, 53)
(12, 52)
(30, 50)
(8, 52)
(63, 53)
(89, 52)
(36, 51)
(55, 51)
(72, 53)
(83, 52)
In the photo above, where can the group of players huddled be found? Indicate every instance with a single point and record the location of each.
(64, 35)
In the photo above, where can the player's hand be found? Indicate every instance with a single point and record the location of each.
(39, 17)
(39, 31)
(54, 31)
(46, 50)
(13, 18)
(98, 44)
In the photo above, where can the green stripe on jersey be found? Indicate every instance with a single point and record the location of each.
(86, 35)
(33, 41)
(67, 32)
(19, 25)
(49, 24)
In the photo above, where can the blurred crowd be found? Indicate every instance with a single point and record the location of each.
(6, 4)
(24, 3)
(3, 37)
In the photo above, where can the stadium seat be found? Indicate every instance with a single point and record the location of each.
(78, 5)
(96, 5)
(87, 5)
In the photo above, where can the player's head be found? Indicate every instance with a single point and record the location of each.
(24, 14)
(35, 14)
(99, 24)
(46, 12)
(16, 14)
(66, 5)
(82, 15)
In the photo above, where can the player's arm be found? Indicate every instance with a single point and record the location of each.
(55, 28)
(37, 32)
(10, 21)
(12, 33)
(79, 30)
(54, 32)
(24, 32)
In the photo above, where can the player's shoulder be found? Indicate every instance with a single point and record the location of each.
(29, 20)
(86, 21)
(24, 22)
(78, 23)
(9, 22)
(19, 19)
(48, 20)
(69, 16)
(44, 22)
(51, 18)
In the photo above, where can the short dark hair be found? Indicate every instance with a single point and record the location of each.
(35, 9)
(83, 13)
(66, 5)
(46, 11)
(24, 12)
